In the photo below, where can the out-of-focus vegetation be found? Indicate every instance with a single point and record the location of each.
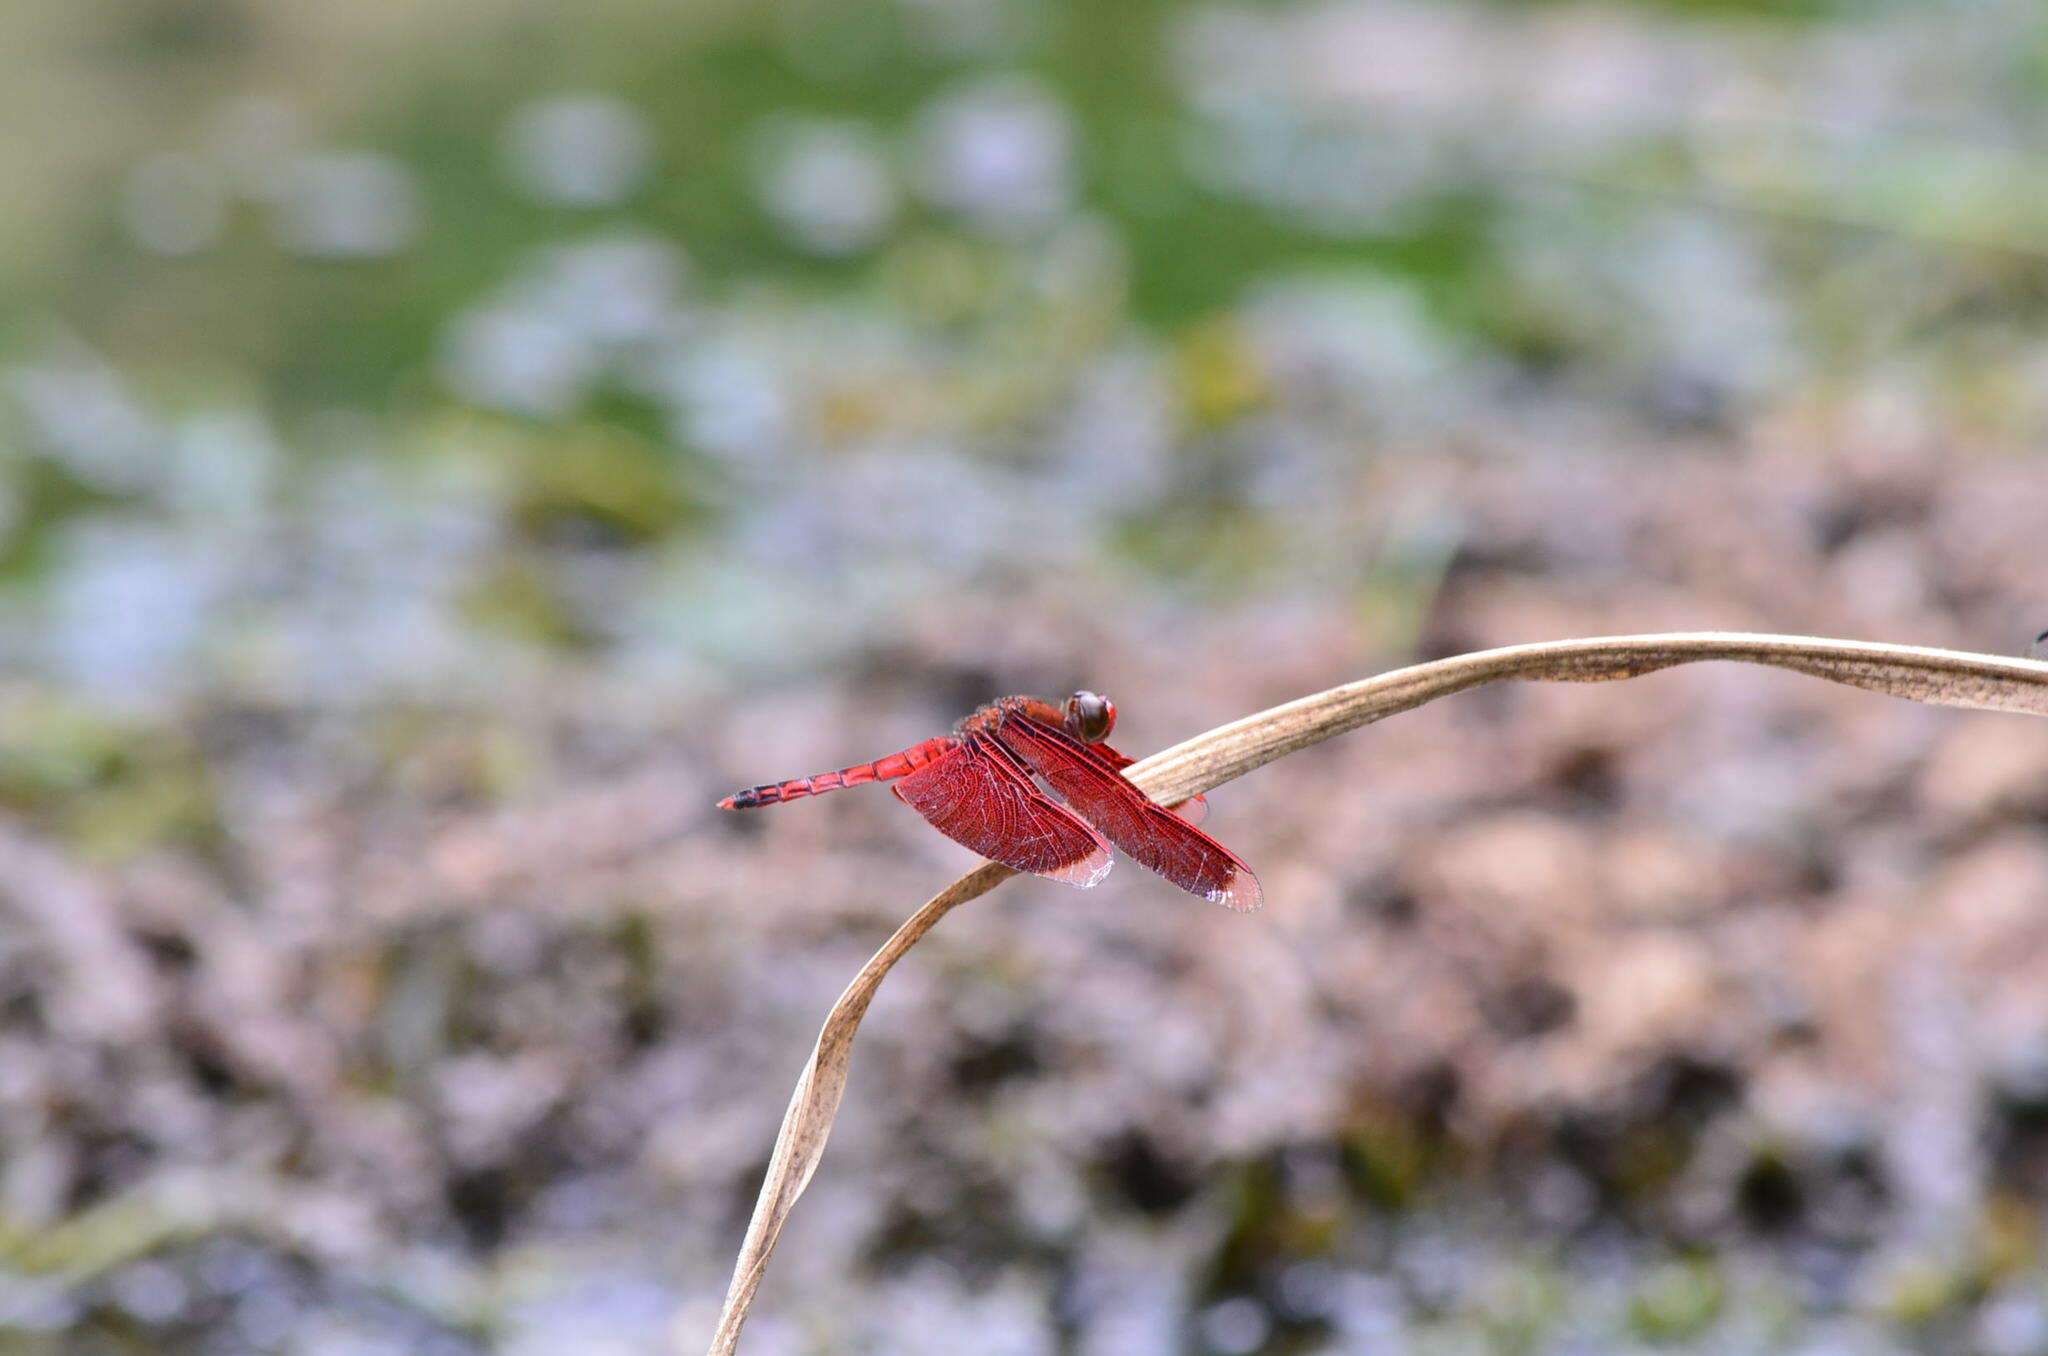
(444, 447)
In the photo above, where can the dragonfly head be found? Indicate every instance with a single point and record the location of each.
(1090, 717)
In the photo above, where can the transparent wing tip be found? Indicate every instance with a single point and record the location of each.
(1242, 893)
(1085, 874)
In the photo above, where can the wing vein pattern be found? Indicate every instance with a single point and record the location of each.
(1151, 834)
(982, 798)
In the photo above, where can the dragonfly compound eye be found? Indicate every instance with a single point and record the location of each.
(1090, 716)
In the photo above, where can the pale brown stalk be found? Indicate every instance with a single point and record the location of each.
(1940, 677)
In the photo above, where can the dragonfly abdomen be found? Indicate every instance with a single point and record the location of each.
(881, 770)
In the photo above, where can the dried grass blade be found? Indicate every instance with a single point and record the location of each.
(815, 1103)
(1962, 678)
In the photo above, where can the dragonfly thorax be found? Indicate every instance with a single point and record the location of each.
(1087, 716)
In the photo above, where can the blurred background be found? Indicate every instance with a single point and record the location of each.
(445, 447)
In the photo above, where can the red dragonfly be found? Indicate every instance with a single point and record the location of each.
(975, 786)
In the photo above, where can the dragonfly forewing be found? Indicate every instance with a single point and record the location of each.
(983, 799)
(1150, 833)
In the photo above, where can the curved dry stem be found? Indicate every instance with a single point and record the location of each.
(815, 1103)
(1939, 677)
